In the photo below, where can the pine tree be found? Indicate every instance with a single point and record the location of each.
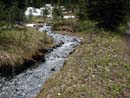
(2, 15)
(108, 13)
(38, 3)
(44, 13)
(81, 11)
(2, 11)
(15, 15)
(57, 13)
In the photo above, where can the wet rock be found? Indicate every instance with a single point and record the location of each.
(53, 69)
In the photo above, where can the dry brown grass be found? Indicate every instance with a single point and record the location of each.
(18, 45)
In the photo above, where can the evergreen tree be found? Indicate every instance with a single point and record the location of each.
(15, 15)
(11, 15)
(44, 13)
(81, 10)
(2, 11)
(36, 3)
(57, 13)
(108, 13)
(2, 15)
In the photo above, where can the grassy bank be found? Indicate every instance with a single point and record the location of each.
(99, 68)
(19, 45)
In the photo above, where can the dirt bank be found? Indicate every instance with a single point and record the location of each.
(20, 49)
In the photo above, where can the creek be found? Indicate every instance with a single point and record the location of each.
(29, 83)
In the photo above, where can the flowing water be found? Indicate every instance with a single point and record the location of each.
(29, 83)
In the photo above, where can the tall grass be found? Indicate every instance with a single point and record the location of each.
(20, 44)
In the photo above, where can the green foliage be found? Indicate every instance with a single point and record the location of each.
(44, 13)
(108, 13)
(14, 15)
(81, 11)
(57, 13)
(2, 6)
(12, 12)
(86, 26)
(38, 3)
(2, 15)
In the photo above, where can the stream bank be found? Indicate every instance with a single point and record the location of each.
(29, 83)
(20, 48)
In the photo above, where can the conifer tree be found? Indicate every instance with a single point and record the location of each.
(108, 13)
(44, 13)
(2, 15)
(15, 15)
(2, 11)
(57, 13)
(81, 10)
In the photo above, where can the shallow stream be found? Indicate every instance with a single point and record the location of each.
(29, 83)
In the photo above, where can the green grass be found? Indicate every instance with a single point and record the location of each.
(99, 68)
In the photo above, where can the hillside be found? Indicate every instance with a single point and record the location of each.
(99, 68)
